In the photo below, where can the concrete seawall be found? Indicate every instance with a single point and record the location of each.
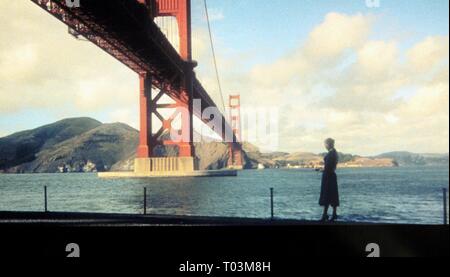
(99, 219)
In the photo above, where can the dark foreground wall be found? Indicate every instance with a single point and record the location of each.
(166, 242)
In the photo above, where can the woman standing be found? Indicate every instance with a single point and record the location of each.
(329, 194)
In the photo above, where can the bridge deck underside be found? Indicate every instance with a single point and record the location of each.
(124, 29)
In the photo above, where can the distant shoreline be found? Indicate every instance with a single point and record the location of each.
(308, 169)
(87, 145)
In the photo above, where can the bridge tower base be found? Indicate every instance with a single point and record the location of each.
(164, 165)
(172, 167)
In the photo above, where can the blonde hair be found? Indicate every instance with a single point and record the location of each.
(330, 142)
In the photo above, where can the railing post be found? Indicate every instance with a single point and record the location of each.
(145, 200)
(271, 203)
(444, 191)
(45, 199)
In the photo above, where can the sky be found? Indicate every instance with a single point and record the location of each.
(375, 79)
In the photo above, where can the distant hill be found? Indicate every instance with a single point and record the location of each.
(311, 160)
(414, 159)
(87, 145)
(23, 147)
(392, 159)
(93, 148)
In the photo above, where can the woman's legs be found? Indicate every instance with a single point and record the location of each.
(325, 212)
(334, 213)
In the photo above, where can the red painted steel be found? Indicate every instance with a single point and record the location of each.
(144, 149)
(181, 10)
(235, 147)
(125, 29)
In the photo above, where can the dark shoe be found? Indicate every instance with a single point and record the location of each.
(334, 218)
(324, 218)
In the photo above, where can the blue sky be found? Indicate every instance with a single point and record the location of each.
(394, 80)
(270, 28)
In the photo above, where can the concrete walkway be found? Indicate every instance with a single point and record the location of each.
(101, 219)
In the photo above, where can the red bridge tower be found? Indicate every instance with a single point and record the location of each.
(145, 158)
(235, 147)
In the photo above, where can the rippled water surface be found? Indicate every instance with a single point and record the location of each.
(391, 195)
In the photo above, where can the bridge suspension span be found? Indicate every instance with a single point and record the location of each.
(128, 30)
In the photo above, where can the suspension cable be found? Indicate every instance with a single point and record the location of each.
(214, 55)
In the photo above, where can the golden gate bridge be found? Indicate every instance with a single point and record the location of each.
(128, 31)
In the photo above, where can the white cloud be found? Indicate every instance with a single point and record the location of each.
(429, 53)
(341, 83)
(215, 15)
(335, 34)
(338, 82)
(376, 59)
(42, 67)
